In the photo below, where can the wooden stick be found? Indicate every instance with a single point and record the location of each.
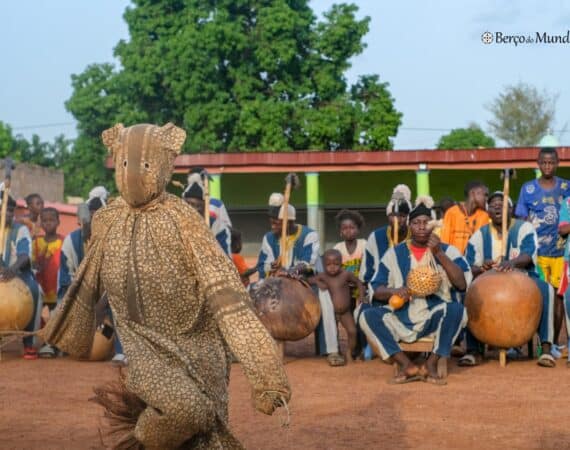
(283, 257)
(396, 229)
(505, 221)
(3, 216)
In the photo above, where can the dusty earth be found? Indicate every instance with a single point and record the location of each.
(43, 404)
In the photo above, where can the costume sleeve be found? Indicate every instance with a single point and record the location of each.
(474, 250)
(311, 248)
(230, 306)
(455, 255)
(369, 259)
(528, 241)
(266, 257)
(522, 209)
(24, 242)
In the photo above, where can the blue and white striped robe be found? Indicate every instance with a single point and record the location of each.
(522, 238)
(440, 314)
(305, 250)
(222, 234)
(71, 257)
(19, 242)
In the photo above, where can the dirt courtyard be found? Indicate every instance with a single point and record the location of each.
(43, 404)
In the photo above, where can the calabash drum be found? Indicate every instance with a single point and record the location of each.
(16, 305)
(503, 308)
(102, 342)
(288, 308)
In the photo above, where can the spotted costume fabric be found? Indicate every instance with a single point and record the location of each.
(179, 305)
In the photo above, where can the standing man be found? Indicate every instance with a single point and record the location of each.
(539, 203)
(465, 218)
(484, 253)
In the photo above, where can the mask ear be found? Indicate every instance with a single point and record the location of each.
(172, 137)
(111, 137)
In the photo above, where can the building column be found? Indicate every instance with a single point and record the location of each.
(315, 214)
(216, 185)
(422, 180)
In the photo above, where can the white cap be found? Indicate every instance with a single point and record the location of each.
(291, 213)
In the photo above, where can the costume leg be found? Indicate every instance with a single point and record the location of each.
(176, 408)
(546, 324)
(447, 321)
(371, 322)
(34, 322)
(327, 329)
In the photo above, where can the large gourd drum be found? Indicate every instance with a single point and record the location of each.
(288, 308)
(504, 308)
(16, 305)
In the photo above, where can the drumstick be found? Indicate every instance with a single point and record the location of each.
(291, 181)
(505, 220)
(396, 225)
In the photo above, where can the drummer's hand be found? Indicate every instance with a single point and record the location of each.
(434, 243)
(6, 274)
(505, 266)
(488, 265)
(275, 265)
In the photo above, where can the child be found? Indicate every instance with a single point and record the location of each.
(239, 261)
(46, 254)
(35, 204)
(351, 248)
(337, 282)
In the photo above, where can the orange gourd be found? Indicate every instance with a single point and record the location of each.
(396, 301)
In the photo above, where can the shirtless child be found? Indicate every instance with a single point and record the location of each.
(339, 283)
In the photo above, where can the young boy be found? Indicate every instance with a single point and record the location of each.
(338, 282)
(539, 203)
(239, 261)
(46, 255)
(32, 220)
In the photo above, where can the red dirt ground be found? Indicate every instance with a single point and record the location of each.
(43, 404)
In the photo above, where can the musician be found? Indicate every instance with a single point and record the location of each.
(302, 257)
(16, 262)
(194, 196)
(381, 239)
(484, 253)
(439, 313)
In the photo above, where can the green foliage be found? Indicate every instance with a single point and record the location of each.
(470, 137)
(522, 115)
(237, 75)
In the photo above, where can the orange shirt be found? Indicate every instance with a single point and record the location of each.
(458, 227)
(241, 266)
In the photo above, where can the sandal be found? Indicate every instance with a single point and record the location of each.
(546, 360)
(469, 360)
(402, 378)
(437, 381)
(336, 360)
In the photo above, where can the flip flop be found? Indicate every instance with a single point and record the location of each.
(468, 361)
(403, 379)
(436, 381)
(546, 360)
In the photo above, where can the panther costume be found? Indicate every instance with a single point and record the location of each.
(179, 305)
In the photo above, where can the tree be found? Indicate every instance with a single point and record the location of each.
(522, 114)
(470, 137)
(237, 75)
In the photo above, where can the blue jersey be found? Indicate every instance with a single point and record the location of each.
(541, 207)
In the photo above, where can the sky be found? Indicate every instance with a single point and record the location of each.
(439, 71)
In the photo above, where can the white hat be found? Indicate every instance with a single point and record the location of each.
(291, 213)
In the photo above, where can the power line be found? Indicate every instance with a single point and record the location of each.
(44, 125)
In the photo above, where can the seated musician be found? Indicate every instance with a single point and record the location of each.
(484, 253)
(438, 314)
